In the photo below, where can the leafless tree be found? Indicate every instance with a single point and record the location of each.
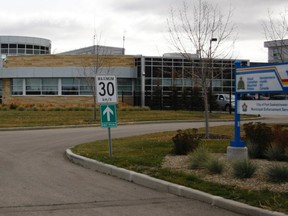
(194, 30)
(276, 31)
(98, 64)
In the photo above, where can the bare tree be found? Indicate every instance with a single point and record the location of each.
(276, 31)
(98, 64)
(196, 30)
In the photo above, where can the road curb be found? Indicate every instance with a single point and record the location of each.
(164, 186)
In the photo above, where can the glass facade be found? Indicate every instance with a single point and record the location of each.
(168, 78)
(63, 86)
(23, 49)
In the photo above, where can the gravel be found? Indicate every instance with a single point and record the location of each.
(257, 182)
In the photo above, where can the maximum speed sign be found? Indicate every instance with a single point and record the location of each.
(106, 89)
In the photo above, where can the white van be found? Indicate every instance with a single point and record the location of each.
(223, 101)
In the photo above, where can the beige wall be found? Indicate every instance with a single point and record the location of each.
(69, 61)
(6, 92)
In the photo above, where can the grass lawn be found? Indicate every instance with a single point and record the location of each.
(146, 153)
(30, 118)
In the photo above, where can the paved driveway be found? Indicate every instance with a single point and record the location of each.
(37, 179)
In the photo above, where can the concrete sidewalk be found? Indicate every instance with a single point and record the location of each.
(168, 187)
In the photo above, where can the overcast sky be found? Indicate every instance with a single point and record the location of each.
(71, 24)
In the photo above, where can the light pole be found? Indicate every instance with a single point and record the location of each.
(211, 59)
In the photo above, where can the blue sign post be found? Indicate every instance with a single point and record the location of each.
(237, 148)
(237, 142)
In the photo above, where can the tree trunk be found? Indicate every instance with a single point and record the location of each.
(206, 112)
(94, 109)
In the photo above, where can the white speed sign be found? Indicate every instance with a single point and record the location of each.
(106, 89)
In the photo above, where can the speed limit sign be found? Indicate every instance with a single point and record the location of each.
(106, 89)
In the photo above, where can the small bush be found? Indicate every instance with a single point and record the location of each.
(13, 106)
(243, 169)
(253, 149)
(56, 109)
(4, 108)
(276, 153)
(86, 109)
(280, 137)
(35, 109)
(199, 157)
(135, 108)
(259, 137)
(277, 173)
(20, 108)
(185, 141)
(76, 109)
(215, 166)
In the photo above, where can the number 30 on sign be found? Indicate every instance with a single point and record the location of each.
(106, 89)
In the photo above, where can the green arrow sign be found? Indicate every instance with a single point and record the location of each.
(108, 116)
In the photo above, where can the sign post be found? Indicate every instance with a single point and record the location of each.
(253, 80)
(107, 97)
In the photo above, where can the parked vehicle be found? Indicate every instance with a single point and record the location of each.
(223, 101)
(279, 97)
(248, 97)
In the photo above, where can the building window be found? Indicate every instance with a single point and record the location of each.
(188, 82)
(49, 86)
(86, 86)
(38, 86)
(167, 82)
(4, 48)
(70, 86)
(33, 86)
(17, 86)
(29, 49)
(124, 86)
(177, 82)
(75, 86)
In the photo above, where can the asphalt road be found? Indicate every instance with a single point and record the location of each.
(37, 179)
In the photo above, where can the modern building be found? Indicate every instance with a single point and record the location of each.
(20, 45)
(155, 81)
(277, 51)
(96, 49)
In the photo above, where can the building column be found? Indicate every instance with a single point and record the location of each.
(142, 81)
